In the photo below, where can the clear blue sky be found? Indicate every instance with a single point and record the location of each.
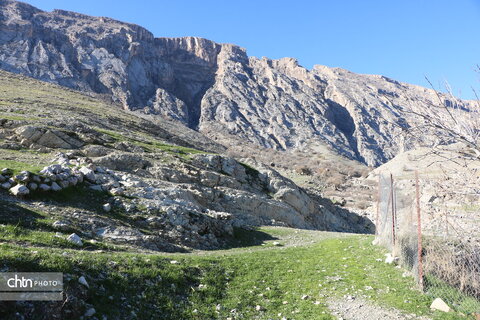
(402, 39)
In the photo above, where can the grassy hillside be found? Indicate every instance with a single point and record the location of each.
(297, 278)
(28, 101)
(266, 273)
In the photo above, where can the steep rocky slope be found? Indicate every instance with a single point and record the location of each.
(448, 188)
(158, 191)
(214, 88)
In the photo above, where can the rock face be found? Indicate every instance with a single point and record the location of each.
(214, 88)
(192, 204)
(43, 137)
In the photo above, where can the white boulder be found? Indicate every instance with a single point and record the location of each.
(19, 190)
(75, 239)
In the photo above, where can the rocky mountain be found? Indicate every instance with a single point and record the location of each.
(214, 88)
(160, 193)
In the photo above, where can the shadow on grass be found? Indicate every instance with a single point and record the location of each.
(247, 238)
(80, 197)
(24, 226)
(167, 290)
(13, 214)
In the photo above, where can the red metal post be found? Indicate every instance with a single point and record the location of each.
(419, 233)
(377, 218)
(393, 209)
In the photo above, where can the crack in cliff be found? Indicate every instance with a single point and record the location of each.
(343, 121)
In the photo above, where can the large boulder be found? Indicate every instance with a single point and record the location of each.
(224, 165)
(19, 190)
(122, 162)
(39, 136)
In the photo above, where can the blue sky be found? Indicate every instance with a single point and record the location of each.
(404, 39)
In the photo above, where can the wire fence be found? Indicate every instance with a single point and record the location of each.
(433, 237)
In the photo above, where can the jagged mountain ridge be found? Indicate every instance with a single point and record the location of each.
(214, 88)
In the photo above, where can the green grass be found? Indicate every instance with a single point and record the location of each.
(20, 234)
(18, 166)
(251, 171)
(22, 225)
(452, 296)
(150, 145)
(18, 118)
(240, 280)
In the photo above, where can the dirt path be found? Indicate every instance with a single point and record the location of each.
(280, 238)
(351, 308)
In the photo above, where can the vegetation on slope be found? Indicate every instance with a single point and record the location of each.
(296, 279)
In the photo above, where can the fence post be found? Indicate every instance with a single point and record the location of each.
(419, 233)
(377, 218)
(393, 210)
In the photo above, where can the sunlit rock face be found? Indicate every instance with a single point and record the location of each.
(214, 88)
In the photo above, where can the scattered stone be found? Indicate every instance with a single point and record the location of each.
(63, 184)
(83, 281)
(55, 187)
(89, 174)
(390, 258)
(440, 305)
(19, 190)
(32, 186)
(44, 187)
(259, 308)
(75, 239)
(117, 191)
(277, 244)
(61, 225)
(23, 176)
(96, 187)
(52, 169)
(305, 297)
(90, 312)
(107, 207)
(6, 172)
(6, 185)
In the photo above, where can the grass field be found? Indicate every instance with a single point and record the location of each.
(295, 278)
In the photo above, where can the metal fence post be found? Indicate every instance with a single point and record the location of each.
(377, 218)
(393, 210)
(419, 233)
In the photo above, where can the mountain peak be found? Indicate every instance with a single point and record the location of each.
(211, 87)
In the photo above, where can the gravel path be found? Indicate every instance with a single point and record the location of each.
(357, 309)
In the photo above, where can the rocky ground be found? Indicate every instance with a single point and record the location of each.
(171, 197)
(448, 180)
(351, 308)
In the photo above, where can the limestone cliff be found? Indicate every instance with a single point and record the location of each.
(214, 88)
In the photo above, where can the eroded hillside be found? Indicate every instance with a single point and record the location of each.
(214, 88)
(122, 179)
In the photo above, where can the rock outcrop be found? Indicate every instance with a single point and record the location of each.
(194, 204)
(211, 87)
